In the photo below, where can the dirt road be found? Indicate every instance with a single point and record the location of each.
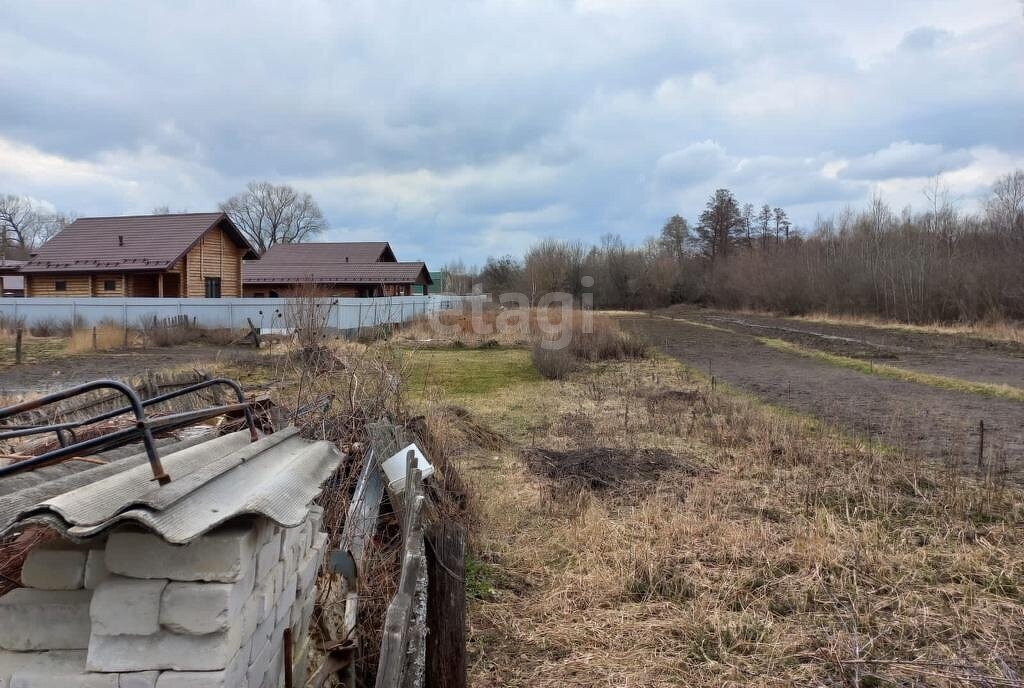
(932, 422)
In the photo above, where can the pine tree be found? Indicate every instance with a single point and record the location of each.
(720, 223)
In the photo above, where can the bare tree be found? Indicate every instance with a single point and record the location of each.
(24, 227)
(942, 213)
(781, 223)
(1004, 209)
(764, 221)
(675, 235)
(748, 223)
(269, 214)
(552, 265)
(457, 278)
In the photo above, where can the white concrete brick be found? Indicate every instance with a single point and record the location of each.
(270, 587)
(287, 599)
(55, 663)
(269, 555)
(320, 541)
(308, 570)
(224, 555)
(200, 608)
(261, 638)
(231, 677)
(95, 568)
(258, 665)
(55, 566)
(83, 680)
(289, 541)
(138, 679)
(267, 530)
(274, 673)
(163, 650)
(45, 619)
(250, 618)
(316, 516)
(126, 606)
(308, 609)
(306, 541)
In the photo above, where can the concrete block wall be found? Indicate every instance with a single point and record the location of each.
(132, 611)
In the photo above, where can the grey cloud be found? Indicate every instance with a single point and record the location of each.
(905, 159)
(403, 118)
(924, 38)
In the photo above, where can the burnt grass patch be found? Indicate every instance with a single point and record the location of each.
(610, 470)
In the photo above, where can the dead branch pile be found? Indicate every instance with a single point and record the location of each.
(607, 469)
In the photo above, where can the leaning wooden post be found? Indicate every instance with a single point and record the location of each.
(981, 443)
(17, 347)
(446, 607)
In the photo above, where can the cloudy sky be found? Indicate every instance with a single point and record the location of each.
(472, 129)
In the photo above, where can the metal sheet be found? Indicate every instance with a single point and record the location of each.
(277, 477)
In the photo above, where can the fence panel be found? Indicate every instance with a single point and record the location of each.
(347, 313)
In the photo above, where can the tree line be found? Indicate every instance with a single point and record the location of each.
(936, 264)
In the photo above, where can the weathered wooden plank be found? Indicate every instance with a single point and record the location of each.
(446, 607)
(402, 643)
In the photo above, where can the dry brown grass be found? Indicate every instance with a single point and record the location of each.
(798, 558)
(108, 335)
(497, 326)
(992, 330)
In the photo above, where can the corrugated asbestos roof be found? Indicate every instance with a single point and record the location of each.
(211, 482)
(317, 272)
(331, 252)
(127, 244)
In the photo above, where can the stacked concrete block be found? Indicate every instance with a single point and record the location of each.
(142, 613)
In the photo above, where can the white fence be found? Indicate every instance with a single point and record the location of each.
(340, 313)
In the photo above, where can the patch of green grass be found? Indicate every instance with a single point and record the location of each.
(33, 349)
(479, 579)
(469, 371)
(894, 373)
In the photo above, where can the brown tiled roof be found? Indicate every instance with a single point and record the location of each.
(128, 244)
(263, 272)
(9, 267)
(331, 252)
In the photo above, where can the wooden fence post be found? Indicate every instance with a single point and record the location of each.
(17, 347)
(94, 347)
(981, 443)
(446, 607)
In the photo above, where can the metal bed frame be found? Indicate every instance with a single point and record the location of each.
(143, 427)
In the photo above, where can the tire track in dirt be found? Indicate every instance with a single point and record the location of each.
(959, 356)
(930, 422)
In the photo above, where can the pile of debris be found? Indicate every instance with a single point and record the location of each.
(152, 546)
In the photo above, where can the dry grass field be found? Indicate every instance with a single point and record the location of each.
(635, 524)
(638, 528)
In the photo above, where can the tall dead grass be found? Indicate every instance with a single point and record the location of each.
(994, 330)
(800, 557)
(106, 336)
